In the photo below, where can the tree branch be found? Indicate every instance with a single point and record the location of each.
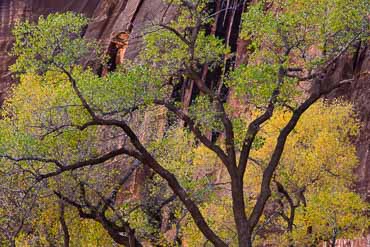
(32, 158)
(195, 130)
(265, 191)
(90, 162)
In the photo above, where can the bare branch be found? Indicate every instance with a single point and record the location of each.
(90, 162)
(30, 158)
(177, 33)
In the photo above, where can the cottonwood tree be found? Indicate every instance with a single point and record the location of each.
(316, 166)
(317, 162)
(291, 42)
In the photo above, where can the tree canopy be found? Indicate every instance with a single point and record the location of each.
(120, 160)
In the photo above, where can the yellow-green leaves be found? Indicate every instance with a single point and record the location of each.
(205, 114)
(311, 31)
(55, 42)
(319, 151)
(131, 86)
(184, 44)
(317, 164)
(210, 50)
(254, 82)
(331, 213)
(41, 119)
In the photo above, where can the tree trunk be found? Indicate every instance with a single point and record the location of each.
(66, 236)
(12, 242)
(240, 218)
(334, 239)
(246, 240)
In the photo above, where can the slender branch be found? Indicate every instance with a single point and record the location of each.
(284, 192)
(32, 158)
(177, 33)
(343, 50)
(229, 134)
(90, 162)
(78, 92)
(66, 235)
(196, 131)
(254, 126)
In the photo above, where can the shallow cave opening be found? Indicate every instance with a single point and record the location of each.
(115, 52)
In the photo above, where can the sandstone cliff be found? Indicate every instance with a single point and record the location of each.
(109, 18)
(357, 66)
(12, 11)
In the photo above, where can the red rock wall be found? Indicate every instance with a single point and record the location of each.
(358, 67)
(108, 18)
(12, 11)
(363, 242)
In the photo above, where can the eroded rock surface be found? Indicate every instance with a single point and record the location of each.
(358, 92)
(12, 11)
(109, 18)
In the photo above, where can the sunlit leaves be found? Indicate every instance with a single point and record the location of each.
(176, 152)
(312, 30)
(318, 159)
(210, 50)
(173, 48)
(55, 42)
(319, 146)
(122, 91)
(205, 114)
(255, 82)
(41, 116)
(331, 213)
(47, 230)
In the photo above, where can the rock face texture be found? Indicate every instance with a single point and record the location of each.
(12, 11)
(365, 242)
(357, 66)
(109, 18)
